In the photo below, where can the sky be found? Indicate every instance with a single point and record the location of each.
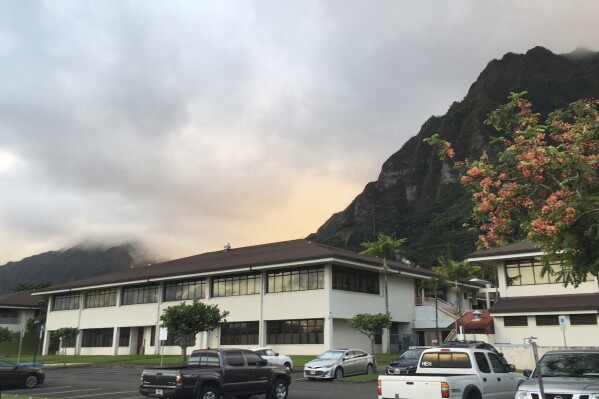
(184, 125)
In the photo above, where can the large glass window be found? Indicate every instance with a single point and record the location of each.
(182, 290)
(124, 335)
(140, 294)
(355, 280)
(547, 320)
(101, 298)
(241, 284)
(240, 333)
(97, 337)
(307, 331)
(528, 272)
(66, 301)
(300, 279)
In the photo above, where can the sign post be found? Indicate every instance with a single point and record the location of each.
(163, 336)
(562, 326)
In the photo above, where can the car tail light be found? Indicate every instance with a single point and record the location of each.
(179, 379)
(379, 388)
(444, 389)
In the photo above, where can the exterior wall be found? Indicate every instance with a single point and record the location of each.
(546, 335)
(522, 355)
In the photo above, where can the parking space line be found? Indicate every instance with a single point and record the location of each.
(98, 394)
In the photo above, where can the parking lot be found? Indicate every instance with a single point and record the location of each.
(122, 383)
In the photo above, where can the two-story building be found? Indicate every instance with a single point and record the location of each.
(16, 308)
(295, 295)
(533, 305)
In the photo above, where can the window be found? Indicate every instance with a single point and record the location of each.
(301, 279)
(239, 333)
(124, 334)
(586, 319)
(182, 290)
(307, 331)
(547, 320)
(482, 362)
(234, 359)
(242, 284)
(97, 337)
(528, 272)
(515, 321)
(66, 302)
(101, 298)
(498, 365)
(252, 358)
(207, 359)
(140, 294)
(450, 360)
(355, 280)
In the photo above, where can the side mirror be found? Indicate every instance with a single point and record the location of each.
(262, 362)
(511, 368)
(276, 353)
(527, 373)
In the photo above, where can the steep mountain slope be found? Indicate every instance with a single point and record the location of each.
(76, 263)
(417, 196)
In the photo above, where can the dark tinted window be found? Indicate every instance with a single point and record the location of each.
(515, 321)
(203, 359)
(583, 319)
(482, 362)
(497, 364)
(234, 359)
(252, 358)
(547, 320)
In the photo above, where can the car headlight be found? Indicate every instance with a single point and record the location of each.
(328, 365)
(523, 395)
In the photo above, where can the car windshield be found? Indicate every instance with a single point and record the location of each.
(333, 355)
(411, 354)
(570, 365)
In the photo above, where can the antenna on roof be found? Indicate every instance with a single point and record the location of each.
(227, 246)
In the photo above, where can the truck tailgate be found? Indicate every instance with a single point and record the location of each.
(166, 377)
(406, 387)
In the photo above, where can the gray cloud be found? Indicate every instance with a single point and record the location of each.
(189, 124)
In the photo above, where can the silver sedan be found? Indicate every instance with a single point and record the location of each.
(337, 363)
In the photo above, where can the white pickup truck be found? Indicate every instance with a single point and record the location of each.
(464, 373)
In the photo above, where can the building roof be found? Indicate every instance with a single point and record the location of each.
(524, 247)
(21, 299)
(547, 303)
(280, 254)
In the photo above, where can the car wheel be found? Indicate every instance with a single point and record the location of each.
(369, 369)
(31, 381)
(288, 365)
(338, 373)
(208, 392)
(280, 390)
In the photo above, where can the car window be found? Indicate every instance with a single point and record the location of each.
(498, 365)
(204, 359)
(482, 362)
(570, 364)
(234, 359)
(252, 358)
(4, 363)
(359, 354)
(445, 360)
(270, 352)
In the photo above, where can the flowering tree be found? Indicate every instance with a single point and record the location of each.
(542, 186)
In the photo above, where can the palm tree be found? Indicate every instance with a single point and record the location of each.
(457, 271)
(434, 284)
(385, 246)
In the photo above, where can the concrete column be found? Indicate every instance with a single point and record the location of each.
(115, 341)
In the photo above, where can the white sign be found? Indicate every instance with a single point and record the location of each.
(163, 333)
(562, 322)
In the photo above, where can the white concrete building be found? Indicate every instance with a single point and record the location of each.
(531, 305)
(16, 308)
(295, 296)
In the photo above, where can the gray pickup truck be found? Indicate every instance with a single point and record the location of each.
(212, 373)
(572, 374)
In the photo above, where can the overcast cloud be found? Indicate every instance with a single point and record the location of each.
(188, 124)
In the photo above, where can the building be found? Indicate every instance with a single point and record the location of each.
(533, 305)
(295, 295)
(16, 308)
